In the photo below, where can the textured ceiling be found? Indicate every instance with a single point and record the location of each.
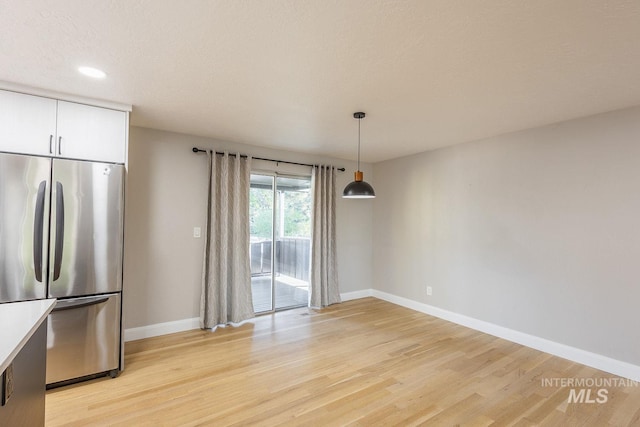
(289, 74)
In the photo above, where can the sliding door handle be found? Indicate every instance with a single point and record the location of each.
(59, 246)
(38, 230)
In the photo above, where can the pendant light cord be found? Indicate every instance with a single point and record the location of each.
(359, 120)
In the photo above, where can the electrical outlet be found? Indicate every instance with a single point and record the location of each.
(429, 290)
(197, 232)
(7, 384)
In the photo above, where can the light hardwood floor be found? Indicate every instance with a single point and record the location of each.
(365, 362)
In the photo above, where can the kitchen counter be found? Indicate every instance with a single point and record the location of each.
(19, 321)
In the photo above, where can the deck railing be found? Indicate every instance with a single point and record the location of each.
(292, 257)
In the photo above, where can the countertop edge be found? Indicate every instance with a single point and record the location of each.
(34, 327)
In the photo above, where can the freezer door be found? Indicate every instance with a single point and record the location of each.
(86, 228)
(24, 226)
(83, 337)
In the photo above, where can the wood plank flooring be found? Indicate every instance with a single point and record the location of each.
(362, 363)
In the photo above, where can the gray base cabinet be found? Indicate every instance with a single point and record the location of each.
(23, 384)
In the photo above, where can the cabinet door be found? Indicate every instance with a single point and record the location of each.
(26, 405)
(91, 133)
(27, 123)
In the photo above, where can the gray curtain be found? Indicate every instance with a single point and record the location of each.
(226, 274)
(324, 268)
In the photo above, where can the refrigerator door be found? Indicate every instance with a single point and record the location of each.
(24, 226)
(83, 338)
(86, 228)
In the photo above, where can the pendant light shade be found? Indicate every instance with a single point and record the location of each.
(358, 188)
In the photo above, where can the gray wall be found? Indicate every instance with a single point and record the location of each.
(166, 198)
(537, 231)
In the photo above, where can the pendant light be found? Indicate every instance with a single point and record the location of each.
(358, 189)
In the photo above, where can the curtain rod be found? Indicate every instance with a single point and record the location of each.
(198, 150)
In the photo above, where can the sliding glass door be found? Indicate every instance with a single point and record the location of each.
(280, 218)
(261, 214)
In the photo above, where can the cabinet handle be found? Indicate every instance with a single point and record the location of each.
(50, 144)
(60, 146)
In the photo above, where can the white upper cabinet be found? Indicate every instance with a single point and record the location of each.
(91, 133)
(48, 127)
(27, 123)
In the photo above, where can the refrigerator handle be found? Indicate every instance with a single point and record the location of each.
(85, 302)
(57, 260)
(38, 225)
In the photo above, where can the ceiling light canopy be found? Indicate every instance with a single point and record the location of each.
(92, 72)
(358, 189)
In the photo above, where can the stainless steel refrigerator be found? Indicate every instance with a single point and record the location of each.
(61, 236)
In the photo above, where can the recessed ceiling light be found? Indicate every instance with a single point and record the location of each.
(92, 72)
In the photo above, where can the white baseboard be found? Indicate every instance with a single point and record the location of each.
(161, 329)
(158, 329)
(594, 360)
(348, 296)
